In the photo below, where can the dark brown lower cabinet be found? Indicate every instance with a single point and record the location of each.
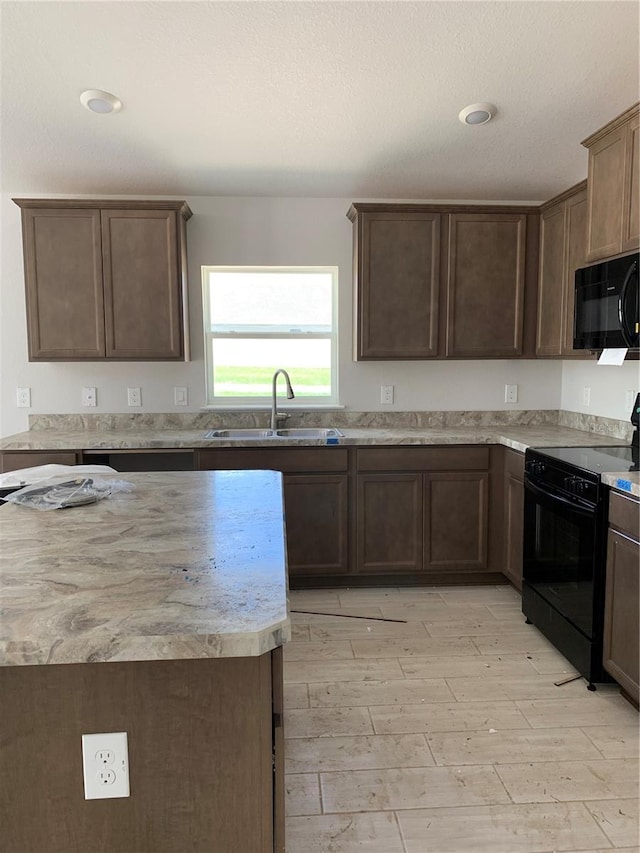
(15, 460)
(389, 523)
(205, 756)
(456, 507)
(622, 595)
(513, 531)
(316, 496)
(317, 523)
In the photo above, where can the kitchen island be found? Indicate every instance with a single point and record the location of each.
(161, 612)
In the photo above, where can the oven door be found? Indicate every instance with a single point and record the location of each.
(560, 554)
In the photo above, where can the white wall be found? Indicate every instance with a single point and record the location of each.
(286, 231)
(609, 387)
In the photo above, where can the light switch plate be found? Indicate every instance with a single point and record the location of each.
(105, 765)
(180, 396)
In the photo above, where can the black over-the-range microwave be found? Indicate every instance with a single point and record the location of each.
(606, 305)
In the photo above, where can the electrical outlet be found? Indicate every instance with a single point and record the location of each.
(386, 394)
(511, 393)
(629, 400)
(586, 396)
(23, 398)
(105, 765)
(180, 396)
(89, 397)
(134, 397)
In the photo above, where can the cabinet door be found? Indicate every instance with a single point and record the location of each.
(621, 623)
(316, 517)
(14, 461)
(575, 257)
(549, 331)
(631, 211)
(513, 516)
(389, 523)
(142, 287)
(605, 184)
(63, 277)
(485, 285)
(456, 521)
(398, 279)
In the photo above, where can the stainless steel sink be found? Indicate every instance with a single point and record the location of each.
(309, 432)
(239, 433)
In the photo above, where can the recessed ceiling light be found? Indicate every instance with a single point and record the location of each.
(100, 102)
(477, 114)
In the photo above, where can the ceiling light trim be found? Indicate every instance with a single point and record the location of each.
(100, 102)
(477, 114)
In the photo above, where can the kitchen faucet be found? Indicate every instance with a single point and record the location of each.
(275, 416)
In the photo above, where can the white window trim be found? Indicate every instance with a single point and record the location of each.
(254, 402)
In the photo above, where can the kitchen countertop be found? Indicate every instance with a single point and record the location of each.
(188, 564)
(627, 483)
(517, 437)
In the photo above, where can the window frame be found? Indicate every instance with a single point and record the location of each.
(279, 333)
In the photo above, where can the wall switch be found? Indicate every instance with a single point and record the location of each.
(105, 765)
(89, 396)
(23, 398)
(180, 396)
(586, 396)
(511, 393)
(629, 400)
(386, 394)
(134, 397)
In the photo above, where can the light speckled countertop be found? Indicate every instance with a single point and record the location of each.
(516, 437)
(189, 564)
(628, 483)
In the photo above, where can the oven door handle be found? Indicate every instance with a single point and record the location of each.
(558, 500)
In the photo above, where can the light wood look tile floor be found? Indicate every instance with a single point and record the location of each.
(446, 734)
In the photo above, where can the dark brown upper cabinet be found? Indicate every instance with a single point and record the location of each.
(613, 224)
(105, 279)
(434, 281)
(398, 275)
(485, 284)
(563, 233)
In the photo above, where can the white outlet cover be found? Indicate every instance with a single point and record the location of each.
(134, 397)
(23, 398)
(386, 394)
(105, 765)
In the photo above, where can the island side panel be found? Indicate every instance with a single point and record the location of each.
(200, 754)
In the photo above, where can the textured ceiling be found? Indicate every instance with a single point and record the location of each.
(350, 99)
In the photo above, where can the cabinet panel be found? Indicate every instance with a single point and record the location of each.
(485, 285)
(621, 621)
(389, 523)
(286, 459)
(606, 176)
(316, 514)
(63, 279)
(624, 514)
(14, 461)
(456, 521)
(141, 282)
(398, 261)
(551, 282)
(575, 256)
(513, 516)
(455, 458)
(631, 211)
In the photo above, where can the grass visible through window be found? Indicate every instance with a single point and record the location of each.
(245, 381)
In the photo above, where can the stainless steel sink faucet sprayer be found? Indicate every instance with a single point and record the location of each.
(275, 416)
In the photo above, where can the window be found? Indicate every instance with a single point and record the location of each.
(257, 319)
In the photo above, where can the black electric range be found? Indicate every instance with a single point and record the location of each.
(564, 556)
